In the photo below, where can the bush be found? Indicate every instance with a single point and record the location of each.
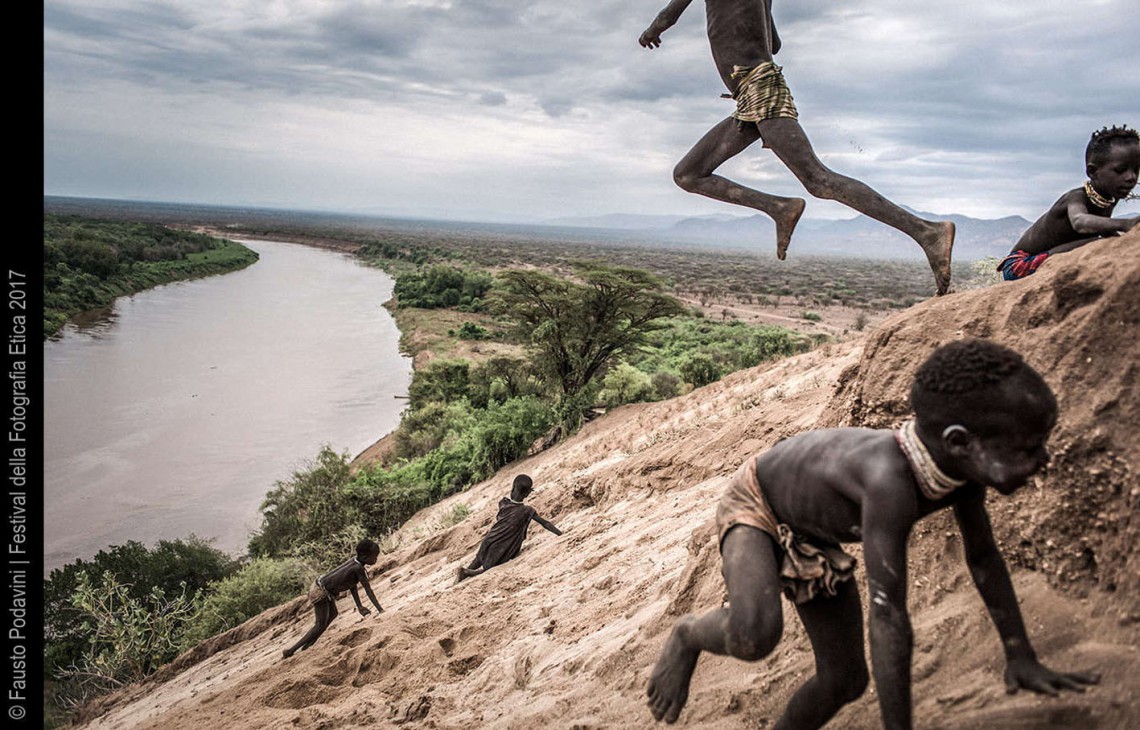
(625, 384)
(326, 502)
(309, 506)
(699, 369)
(443, 286)
(665, 385)
(191, 562)
(127, 638)
(442, 380)
(472, 331)
(259, 585)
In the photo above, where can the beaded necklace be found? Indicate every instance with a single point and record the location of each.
(934, 483)
(1096, 198)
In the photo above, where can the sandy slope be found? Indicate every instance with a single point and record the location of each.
(565, 635)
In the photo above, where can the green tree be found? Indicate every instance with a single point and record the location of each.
(311, 505)
(575, 328)
(191, 562)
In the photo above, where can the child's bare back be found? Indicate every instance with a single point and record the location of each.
(1084, 214)
(740, 34)
(982, 418)
(820, 482)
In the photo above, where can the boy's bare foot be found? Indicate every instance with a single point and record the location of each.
(937, 245)
(287, 653)
(786, 217)
(669, 684)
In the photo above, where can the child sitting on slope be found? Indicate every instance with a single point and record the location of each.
(505, 538)
(1082, 215)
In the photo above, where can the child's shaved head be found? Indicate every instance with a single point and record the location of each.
(366, 547)
(521, 487)
(964, 381)
(1103, 139)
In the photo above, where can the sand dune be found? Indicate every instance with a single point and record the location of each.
(565, 636)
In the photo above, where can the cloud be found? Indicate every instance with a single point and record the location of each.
(541, 107)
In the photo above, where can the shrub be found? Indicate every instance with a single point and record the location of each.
(472, 331)
(260, 584)
(699, 369)
(127, 638)
(443, 286)
(665, 385)
(443, 380)
(625, 384)
(309, 506)
(168, 566)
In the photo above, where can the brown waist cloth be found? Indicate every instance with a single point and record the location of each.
(806, 569)
(762, 94)
(318, 593)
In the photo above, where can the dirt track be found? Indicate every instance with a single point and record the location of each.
(565, 636)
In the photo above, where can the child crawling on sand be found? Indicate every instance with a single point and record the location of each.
(1082, 215)
(982, 417)
(325, 590)
(505, 538)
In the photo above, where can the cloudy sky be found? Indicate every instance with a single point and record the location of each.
(532, 109)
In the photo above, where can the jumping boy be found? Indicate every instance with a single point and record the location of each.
(505, 538)
(1082, 215)
(982, 416)
(325, 590)
(743, 39)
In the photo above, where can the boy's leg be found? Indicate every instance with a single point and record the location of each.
(787, 139)
(835, 627)
(694, 173)
(320, 623)
(325, 618)
(748, 629)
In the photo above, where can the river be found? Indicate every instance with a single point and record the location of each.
(175, 411)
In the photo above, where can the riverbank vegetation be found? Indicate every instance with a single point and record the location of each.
(509, 359)
(89, 263)
(506, 364)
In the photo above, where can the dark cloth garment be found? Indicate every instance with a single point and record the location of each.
(505, 538)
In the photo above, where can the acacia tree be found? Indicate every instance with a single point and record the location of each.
(576, 327)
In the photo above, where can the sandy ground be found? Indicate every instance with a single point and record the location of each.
(565, 636)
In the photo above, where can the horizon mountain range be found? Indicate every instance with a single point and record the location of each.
(858, 236)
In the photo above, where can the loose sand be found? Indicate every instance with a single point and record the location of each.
(565, 635)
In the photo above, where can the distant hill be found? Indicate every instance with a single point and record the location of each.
(859, 236)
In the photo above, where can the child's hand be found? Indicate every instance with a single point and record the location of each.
(651, 38)
(1031, 674)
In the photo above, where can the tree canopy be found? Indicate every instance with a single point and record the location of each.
(576, 327)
